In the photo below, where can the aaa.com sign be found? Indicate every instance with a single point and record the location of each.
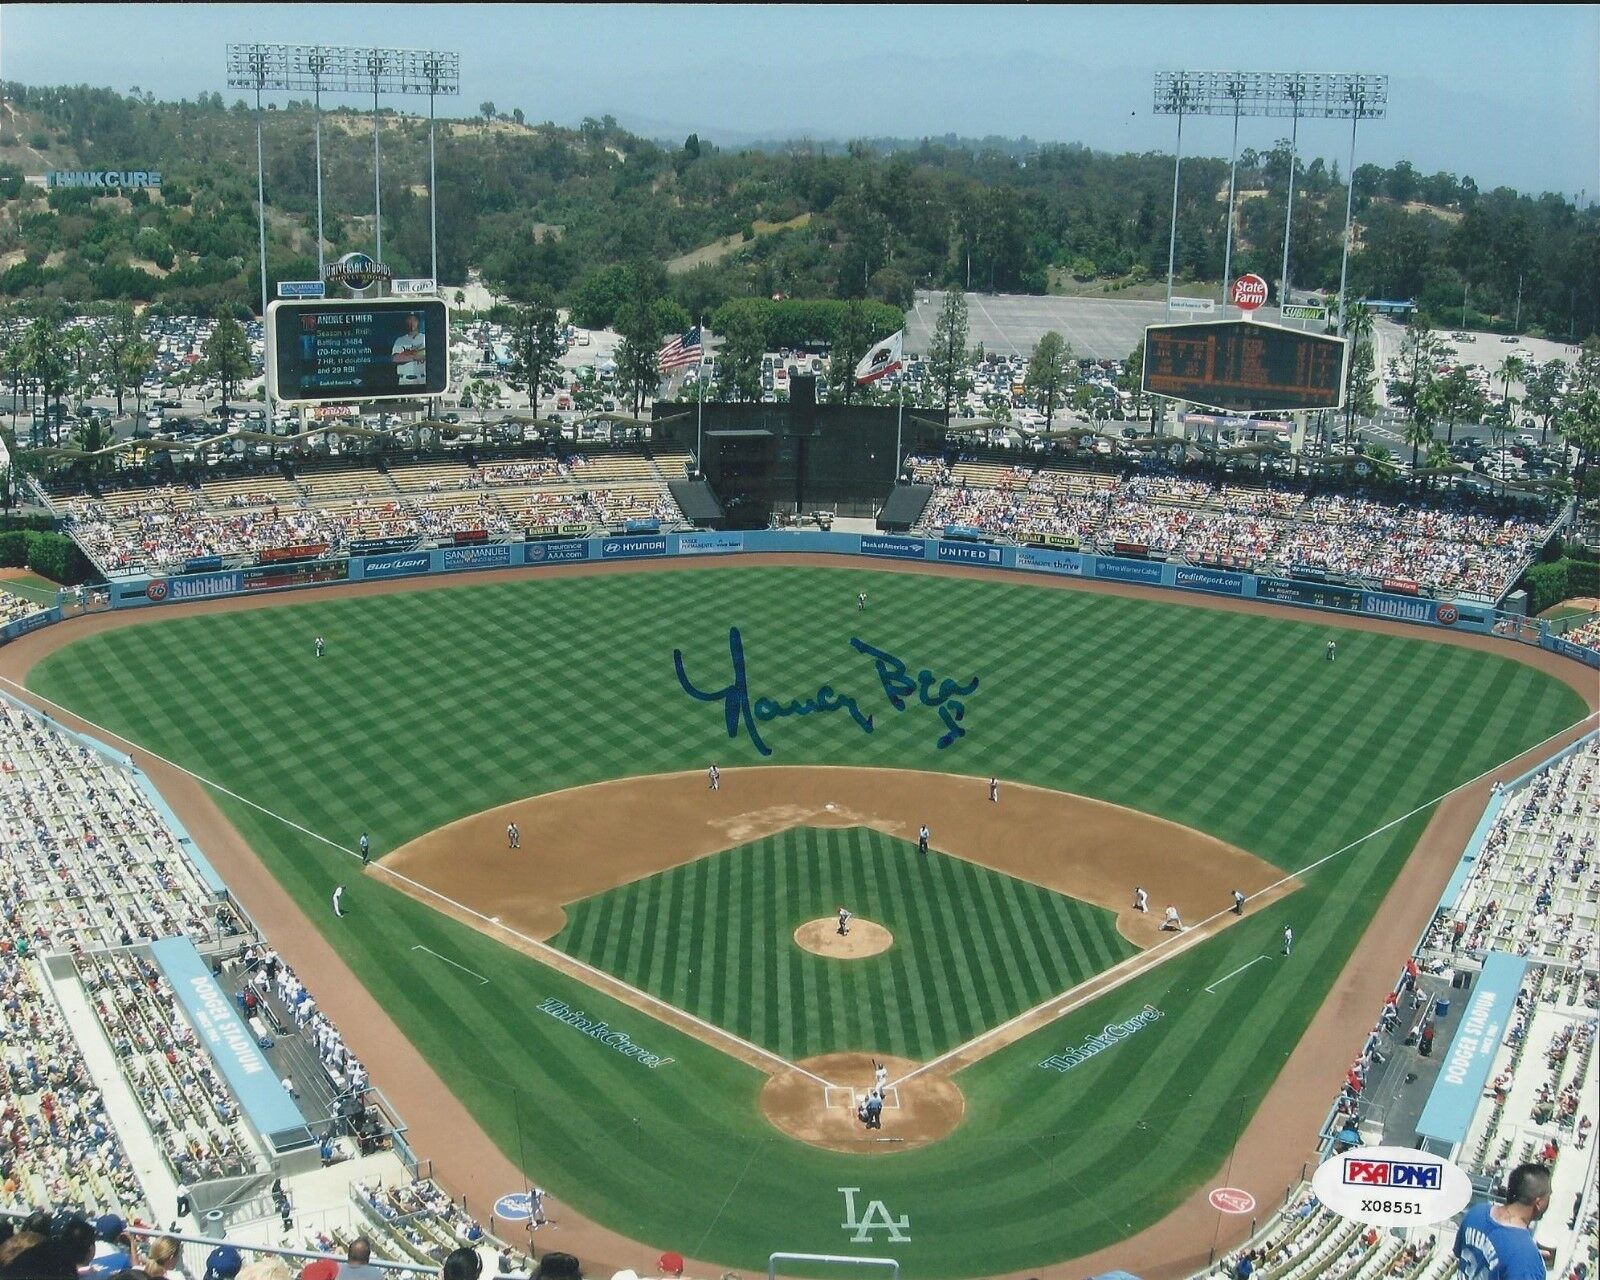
(1392, 1187)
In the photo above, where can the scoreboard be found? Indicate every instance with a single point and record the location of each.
(382, 349)
(1240, 366)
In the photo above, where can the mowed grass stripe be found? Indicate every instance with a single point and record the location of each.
(555, 683)
(962, 943)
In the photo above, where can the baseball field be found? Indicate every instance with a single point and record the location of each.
(1137, 742)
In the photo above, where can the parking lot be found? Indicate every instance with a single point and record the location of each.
(1097, 328)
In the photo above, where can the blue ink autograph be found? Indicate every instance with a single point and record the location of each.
(740, 710)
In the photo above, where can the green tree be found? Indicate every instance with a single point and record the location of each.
(1049, 371)
(1412, 370)
(1511, 370)
(125, 354)
(739, 357)
(1457, 398)
(1361, 379)
(1579, 421)
(947, 354)
(1543, 399)
(1419, 428)
(46, 357)
(639, 321)
(536, 346)
(227, 357)
(852, 341)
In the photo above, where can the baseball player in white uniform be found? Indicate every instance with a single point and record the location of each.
(1172, 921)
(338, 910)
(1288, 939)
(880, 1076)
(1141, 899)
(994, 790)
(844, 923)
(714, 778)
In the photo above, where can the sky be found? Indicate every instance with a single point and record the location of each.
(1508, 94)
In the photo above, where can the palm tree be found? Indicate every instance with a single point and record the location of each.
(1362, 378)
(1380, 461)
(1511, 370)
(1419, 428)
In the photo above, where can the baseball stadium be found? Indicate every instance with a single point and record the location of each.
(472, 805)
(789, 836)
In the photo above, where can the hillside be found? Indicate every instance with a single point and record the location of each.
(542, 211)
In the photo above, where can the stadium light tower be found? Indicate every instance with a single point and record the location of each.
(1297, 94)
(344, 69)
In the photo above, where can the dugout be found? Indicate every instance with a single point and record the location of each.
(766, 460)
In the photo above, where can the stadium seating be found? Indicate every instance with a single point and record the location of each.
(1535, 887)
(1269, 528)
(13, 606)
(158, 529)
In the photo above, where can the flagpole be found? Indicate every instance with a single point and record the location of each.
(900, 416)
(700, 416)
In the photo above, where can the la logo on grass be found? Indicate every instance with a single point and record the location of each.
(876, 1218)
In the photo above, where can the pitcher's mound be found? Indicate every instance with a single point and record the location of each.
(920, 1111)
(821, 937)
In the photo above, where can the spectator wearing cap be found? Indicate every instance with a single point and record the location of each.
(224, 1263)
(670, 1264)
(111, 1252)
(320, 1269)
(358, 1262)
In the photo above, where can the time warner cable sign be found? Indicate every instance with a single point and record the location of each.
(1392, 1187)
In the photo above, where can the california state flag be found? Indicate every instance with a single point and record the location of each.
(883, 358)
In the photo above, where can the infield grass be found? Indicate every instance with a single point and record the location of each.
(437, 704)
(972, 947)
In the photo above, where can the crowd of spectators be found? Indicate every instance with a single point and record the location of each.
(159, 529)
(13, 606)
(1587, 635)
(1441, 545)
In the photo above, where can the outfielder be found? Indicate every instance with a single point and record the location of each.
(319, 646)
(861, 602)
(1288, 939)
(338, 893)
(1332, 649)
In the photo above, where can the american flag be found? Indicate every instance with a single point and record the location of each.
(681, 351)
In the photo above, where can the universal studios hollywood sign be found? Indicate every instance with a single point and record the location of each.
(103, 179)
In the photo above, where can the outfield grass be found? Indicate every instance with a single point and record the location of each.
(437, 704)
(972, 947)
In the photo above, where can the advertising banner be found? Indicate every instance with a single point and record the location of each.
(1127, 570)
(396, 566)
(32, 622)
(1407, 609)
(632, 548)
(536, 531)
(1064, 541)
(204, 587)
(893, 548)
(1221, 581)
(554, 552)
(1050, 561)
(710, 544)
(969, 553)
(202, 564)
(486, 557)
(573, 530)
(1482, 1025)
(380, 546)
(1569, 650)
(309, 551)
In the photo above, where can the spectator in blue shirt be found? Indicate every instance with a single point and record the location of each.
(1495, 1241)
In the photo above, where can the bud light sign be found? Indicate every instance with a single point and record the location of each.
(1392, 1186)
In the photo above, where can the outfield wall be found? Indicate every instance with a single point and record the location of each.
(1454, 615)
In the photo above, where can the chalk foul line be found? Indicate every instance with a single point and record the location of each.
(452, 963)
(1211, 990)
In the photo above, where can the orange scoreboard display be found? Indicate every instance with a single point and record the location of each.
(1240, 366)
